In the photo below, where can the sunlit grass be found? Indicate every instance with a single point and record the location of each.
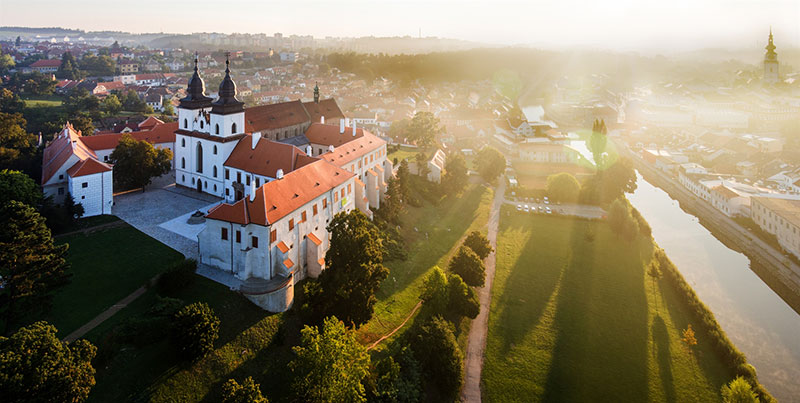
(575, 318)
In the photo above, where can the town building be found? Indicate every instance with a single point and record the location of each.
(780, 217)
(46, 65)
(436, 166)
(771, 73)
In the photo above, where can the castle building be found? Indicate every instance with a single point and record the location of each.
(771, 74)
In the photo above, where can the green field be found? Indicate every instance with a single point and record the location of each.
(39, 101)
(575, 318)
(403, 153)
(106, 266)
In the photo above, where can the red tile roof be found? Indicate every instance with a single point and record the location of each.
(353, 150)
(328, 135)
(282, 247)
(88, 166)
(47, 63)
(314, 238)
(278, 198)
(326, 107)
(163, 133)
(67, 143)
(267, 157)
(275, 116)
(150, 123)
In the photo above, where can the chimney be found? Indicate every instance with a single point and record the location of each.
(341, 126)
(279, 174)
(255, 138)
(252, 189)
(308, 150)
(322, 119)
(330, 148)
(354, 127)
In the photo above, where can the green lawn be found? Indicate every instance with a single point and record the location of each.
(106, 266)
(403, 153)
(439, 230)
(575, 318)
(38, 101)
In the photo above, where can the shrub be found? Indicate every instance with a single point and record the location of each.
(436, 349)
(195, 330)
(177, 277)
(246, 392)
(469, 266)
(479, 244)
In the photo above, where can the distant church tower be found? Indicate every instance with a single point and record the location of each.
(770, 62)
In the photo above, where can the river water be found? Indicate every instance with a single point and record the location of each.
(755, 318)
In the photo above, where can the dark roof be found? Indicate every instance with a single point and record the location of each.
(326, 107)
(275, 116)
(297, 141)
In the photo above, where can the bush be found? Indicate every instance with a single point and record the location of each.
(479, 244)
(469, 266)
(195, 330)
(177, 277)
(436, 349)
(246, 392)
(723, 347)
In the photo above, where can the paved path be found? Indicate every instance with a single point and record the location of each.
(476, 343)
(105, 315)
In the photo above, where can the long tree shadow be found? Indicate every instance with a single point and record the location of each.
(532, 280)
(663, 356)
(601, 317)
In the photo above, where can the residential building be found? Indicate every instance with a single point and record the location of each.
(780, 217)
(436, 166)
(46, 65)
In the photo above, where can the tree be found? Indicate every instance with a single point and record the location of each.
(563, 187)
(434, 291)
(353, 271)
(31, 266)
(621, 220)
(15, 185)
(469, 266)
(80, 101)
(422, 164)
(82, 123)
(392, 204)
(490, 163)
(15, 143)
(98, 65)
(479, 244)
(738, 391)
(655, 274)
(463, 301)
(424, 128)
(10, 102)
(37, 83)
(168, 109)
(6, 63)
(195, 329)
(395, 379)
(246, 392)
(35, 366)
(69, 68)
(131, 102)
(17, 41)
(597, 142)
(455, 174)
(399, 130)
(436, 349)
(111, 105)
(688, 337)
(403, 180)
(329, 365)
(136, 162)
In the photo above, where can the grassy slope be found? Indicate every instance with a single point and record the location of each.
(578, 320)
(106, 266)
(445, 225)
(37, 101)
(403, 153)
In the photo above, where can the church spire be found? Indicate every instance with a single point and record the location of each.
(196, 91)
(227, 102)
(316, 92)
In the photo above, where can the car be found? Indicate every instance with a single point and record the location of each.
(519, 207)
(541, 208)
(546, 199)
(537, 200)
(526, 208)
(549, 211)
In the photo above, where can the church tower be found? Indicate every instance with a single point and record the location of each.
(195, 105)
(770, 62)
(227, 112)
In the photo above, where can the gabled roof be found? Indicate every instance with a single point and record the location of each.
(88, 166)
(329, 135)
(267, 157)
(67, 143)
(150, 123)
(47, 63)
(355, 149)
(275, 116)
(325, 107)
(163, 133)
(278, 198)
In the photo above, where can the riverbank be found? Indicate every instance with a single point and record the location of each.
(778, 273)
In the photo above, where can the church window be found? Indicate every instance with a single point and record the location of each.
(85, 185)
(224, 234)
(215, 149)
(61, 176)
(233, 128)
(201, 123)
(227, 192)
(199, 158)
(238, 236)
(247, 179)
(255, 241)
(239, 177)
(185, 124)
(183, 163)
(216, 129)
(215, 188)
(215, 171)
(183, 142)
(183, 178)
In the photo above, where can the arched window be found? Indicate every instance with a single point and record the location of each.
(185, 124)
(183, 178)
(215, 172)
(201, 123)
(183, 142)
(199, 158)
(233, 128)
(216, 129)
(183, 163)
(215, 149)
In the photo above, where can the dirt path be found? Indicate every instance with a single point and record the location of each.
(476, 343)
(371, 346)
(77, 334)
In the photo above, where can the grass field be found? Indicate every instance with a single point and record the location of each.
(403, 153)
(438, 232)
(106, 266)
(38, 101)
(575, 318)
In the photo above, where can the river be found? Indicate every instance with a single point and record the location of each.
(755, 318)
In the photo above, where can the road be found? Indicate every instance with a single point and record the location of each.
(754, 247)
(476, 342)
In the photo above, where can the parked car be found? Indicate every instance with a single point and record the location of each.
(548, 210)
(526, 208)
(519, 207)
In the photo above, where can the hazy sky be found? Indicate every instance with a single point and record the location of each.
(616, 24)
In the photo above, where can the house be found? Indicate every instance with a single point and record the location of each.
(155, 101)
(128, 66)
(780, 217)
(46, 65)
(436, 166)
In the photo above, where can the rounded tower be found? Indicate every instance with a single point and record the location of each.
(227, 112)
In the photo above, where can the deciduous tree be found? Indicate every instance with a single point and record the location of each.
(455, 174)
(15, 185)
(329, 365)
(688, 337)
(246, 392)
(479, 244)
(490, 163)
(469, 266)
(738, 391)
(436, 349)
(424, 128)
(463, 301)
(31, 266)
(137, 162)
(597, 142)
(35, 366)
(563, 187)
(195, 329)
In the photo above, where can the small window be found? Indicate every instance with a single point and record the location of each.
(183, 163)
(255, 241)
(273, 236)
(185, 124)
(105, 158)
(247, 180)
(335, 197)
(215, 171)
(216, 131)
(303, 216)
(183, 142)
(349, 188)
(227, 192)
(238, 236)
(224, 234)
(83, 197)
(85, 185)
(258, 182)
(291, 224)
(215, 150)
(201, 123)
(61, 176)
(215, 188)
(227, 173)
(60, 191)
(342, 193)
(233, 130)
(324, 203)
(239, 177)
(314, 209)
